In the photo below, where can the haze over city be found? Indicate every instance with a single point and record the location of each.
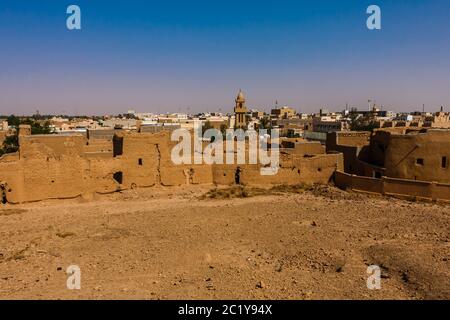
(223, 159)
(192, 56)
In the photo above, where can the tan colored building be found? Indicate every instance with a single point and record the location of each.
(412, 154)
(2, 137)
(327, 124)
(240, 111)
(71, 166)
(3, 125)
(439, 120)
(3, 131)
(353, 145)
(283, 113)
(412, 165)
(417, 155)
(256, 114)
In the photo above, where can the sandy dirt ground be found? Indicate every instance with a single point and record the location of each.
(172, 244)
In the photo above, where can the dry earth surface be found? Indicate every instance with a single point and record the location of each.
(284, 243)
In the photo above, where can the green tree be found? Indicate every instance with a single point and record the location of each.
(13, 121)
(358, 123)
(11, 144)
(223, 129)
(291, 134)
(206, 126)
(266, 123)
(36, 127)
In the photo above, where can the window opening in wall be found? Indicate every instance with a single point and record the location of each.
(3, 195)
(118, 176)
(117, 146)
(237, 176)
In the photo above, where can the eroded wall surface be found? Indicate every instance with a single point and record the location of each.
(2, 137)
(353, 145)
(402, 188)
(60, 167)
(420, 156)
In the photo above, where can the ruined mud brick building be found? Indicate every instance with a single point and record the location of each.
(3, 135)
(70, 166)
(399, 161)
(4, 130)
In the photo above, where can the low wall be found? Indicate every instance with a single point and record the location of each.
(2, 137)
(360, 183)
(394, 187)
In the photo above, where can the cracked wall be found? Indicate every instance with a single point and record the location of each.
(61, 167)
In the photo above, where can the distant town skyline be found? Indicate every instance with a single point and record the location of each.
(194, 56)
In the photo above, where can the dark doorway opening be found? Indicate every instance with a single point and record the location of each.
(444, 162)
(140, 162)
(3, 195)
(237, 176)
(117, 146)
(118, 176)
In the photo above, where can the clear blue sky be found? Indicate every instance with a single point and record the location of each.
(169, 56)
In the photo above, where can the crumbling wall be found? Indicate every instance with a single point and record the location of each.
(353, 145)
(54, 167)
(11, 178)
(379, 145)
(421, 156)
(352, 138)
(33, 146)
(303, 148)
(52, 178)
(98, 175)
(60, 167)
(318, 169)
(99, 146)
(2, 137)
(402, 188)
(224, 174)
(139, 161)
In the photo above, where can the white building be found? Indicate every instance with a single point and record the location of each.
(4, 126)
